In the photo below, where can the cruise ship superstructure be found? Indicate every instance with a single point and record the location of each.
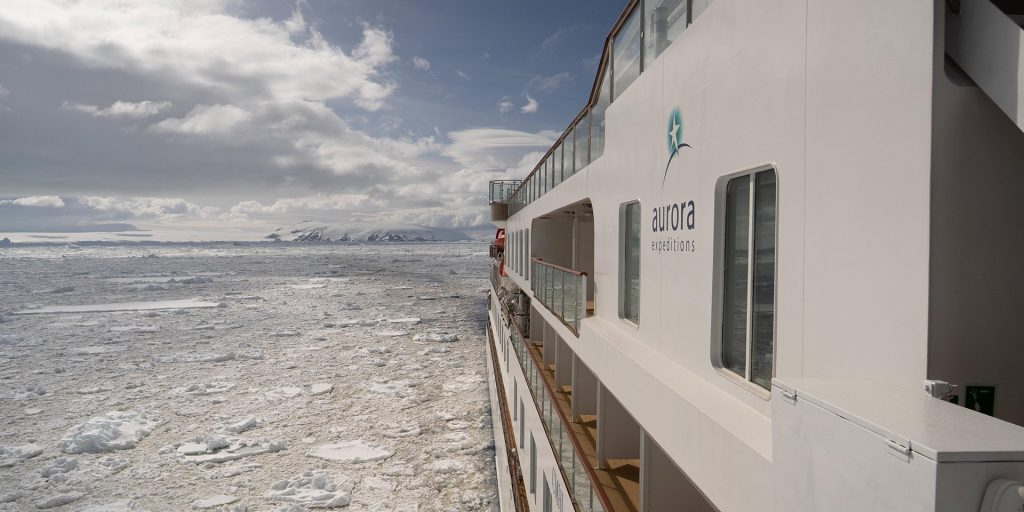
(773, 265)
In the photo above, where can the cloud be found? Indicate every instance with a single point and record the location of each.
(559, 36)
(530, 106)
(250, 122)
(505, 105)
(296, 24)
(4, 92)
(549, 83)
(126, 109)
(462, 74)
(420, 63)
(494, 148)
(206, 120)
(203, 44)
(37, 201)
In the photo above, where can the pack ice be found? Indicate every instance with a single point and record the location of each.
(115, 430)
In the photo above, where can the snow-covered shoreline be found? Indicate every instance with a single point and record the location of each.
(286, 376)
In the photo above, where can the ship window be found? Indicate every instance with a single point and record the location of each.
(629, 219)
(597, 115)
(626, 54)
(748, 289)
(547, 496)
(582, 142)
(515, 399)
(533, 465)
(522, 420)
(665, 20)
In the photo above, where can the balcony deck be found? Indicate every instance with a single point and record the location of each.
(620, 482)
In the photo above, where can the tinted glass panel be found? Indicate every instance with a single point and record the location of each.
(597, 118)
(665, 19)
(582, 137)
(626, 53)
(567, 163)
(734, 310)
(763, 297)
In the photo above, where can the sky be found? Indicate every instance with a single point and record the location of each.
(226, 119)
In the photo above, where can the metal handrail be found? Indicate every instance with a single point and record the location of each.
(559, 267)
(595, 484)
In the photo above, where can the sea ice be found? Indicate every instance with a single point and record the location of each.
(239, 426)
(62, 497)
(125, 505)
(311, 489)
(320, 388)
(283, 392)
(392, 334)
(436, 337)
(399, 388)
(466, 382)
(206, 388)
(123, 306)
(310, 286)
(217, 449)
(413, 320)
(136, 328)
(350, 451)
(114, 431)
(97, 349)
(11, 455)
(217, 500)
(194, 358)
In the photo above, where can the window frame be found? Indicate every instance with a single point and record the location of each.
(718, 297)
(622, 262)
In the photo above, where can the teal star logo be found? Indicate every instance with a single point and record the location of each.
(675, 132)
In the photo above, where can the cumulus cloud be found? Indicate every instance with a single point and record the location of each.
(201, 43)
(530, 106)
(206, 120)
(420, 63)
(38, 201)
(126, 109)
(462, 74)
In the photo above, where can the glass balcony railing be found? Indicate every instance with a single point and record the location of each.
(644, 30)
(500, 191)
(561, 290)
(577, 470)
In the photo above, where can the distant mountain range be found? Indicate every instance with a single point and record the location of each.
(311, 231)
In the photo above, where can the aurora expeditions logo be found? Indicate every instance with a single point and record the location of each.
(672, 223)
(674, 138)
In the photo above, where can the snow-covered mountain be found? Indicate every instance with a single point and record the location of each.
(311, 231)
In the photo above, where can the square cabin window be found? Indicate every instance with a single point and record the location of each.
(748, 277)
(629, 243)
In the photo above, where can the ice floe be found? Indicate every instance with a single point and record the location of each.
(217, 449)
(436, 337)
(352, 452)
(241, 425)
(11, 455)
(124, 505)
(392, 333)
(115, 430)
(217, 500)
(399, 388)
(412, 320)
(122, 306)
(311, 489)
(206, 388)
(135, 328)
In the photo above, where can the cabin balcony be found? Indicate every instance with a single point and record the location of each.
(602, 451)
(499, 193)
